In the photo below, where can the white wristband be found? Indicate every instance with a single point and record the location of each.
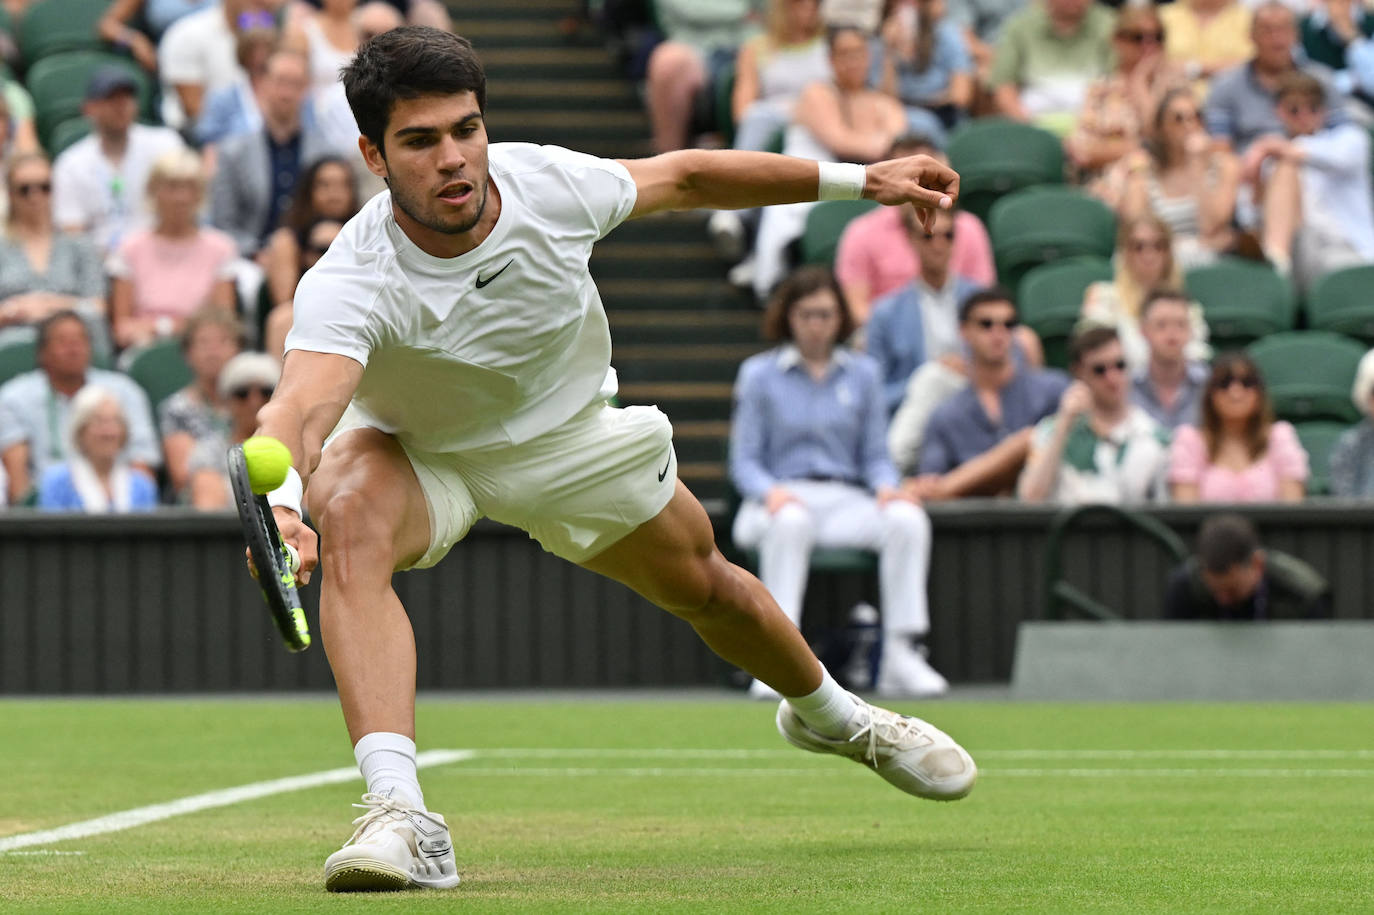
(289, 493)
(841, 181)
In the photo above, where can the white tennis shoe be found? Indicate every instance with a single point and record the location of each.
(394, 847)
(909, 753)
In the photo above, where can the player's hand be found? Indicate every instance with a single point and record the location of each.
(776, 498)
(920, 180)
(297, 534)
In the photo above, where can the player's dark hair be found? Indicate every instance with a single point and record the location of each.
(1091, 337)
(407, 63)
(45, 327)
(999, 294)
(1161, 294)
(799, 284)
(1225, 541)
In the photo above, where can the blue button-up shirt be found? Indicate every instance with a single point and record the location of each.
(789, 426)
(960, 429)
(1186, 407)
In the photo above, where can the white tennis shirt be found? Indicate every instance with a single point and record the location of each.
(495, 346)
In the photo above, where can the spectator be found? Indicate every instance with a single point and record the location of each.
(1238, 453)
(1352, 458)
(197, 413)
(1144, 262)
(1185, 179)
(875, 256)
(4, 487)
(920, 320)
(1318, 212)
(318, 238)
(258, 171)
(807, 454)
(326, 191)
(926, 65)
(840, 121)
(35, 406)
(43, 271)
(332, 117)
(976, 441)
(774, 67)
(1098, 446)
(1169, 385)
(1232, 577)
(1207, 37)
(981, 23)
(158, 15)
(1119, 106)
(1336, 34)
(328, 38)
(20, 134)
(198, 54)
(1047, 56)
(96, 476)
(233, 109)
(163, 274)
(245, 385)
(1241, 105)
(99, 182)
(700, 45)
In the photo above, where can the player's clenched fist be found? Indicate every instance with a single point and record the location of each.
(296, 533)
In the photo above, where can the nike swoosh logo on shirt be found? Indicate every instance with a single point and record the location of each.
(483, 282)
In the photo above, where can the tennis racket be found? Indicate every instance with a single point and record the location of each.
(271, 556)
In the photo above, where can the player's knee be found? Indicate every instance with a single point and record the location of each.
(349, 519)
(707, 590)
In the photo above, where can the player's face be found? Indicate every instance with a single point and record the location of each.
(436, 165)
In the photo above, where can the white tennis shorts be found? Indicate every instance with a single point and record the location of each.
(576, 489)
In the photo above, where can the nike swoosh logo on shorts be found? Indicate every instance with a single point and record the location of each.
(483, 282)
(664, 472)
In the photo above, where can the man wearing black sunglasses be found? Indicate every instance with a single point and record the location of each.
(976, 442)
(1098, 446)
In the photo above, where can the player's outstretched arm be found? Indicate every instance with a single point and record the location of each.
(314, 390)
(735, 179)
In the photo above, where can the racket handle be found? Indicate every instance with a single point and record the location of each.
(295, 557)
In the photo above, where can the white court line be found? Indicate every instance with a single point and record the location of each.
(670, 753)
(138, 816)
(740, 772)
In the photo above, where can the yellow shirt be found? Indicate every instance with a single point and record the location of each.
(1222, 41)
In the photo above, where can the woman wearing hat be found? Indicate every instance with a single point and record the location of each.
(245, 384)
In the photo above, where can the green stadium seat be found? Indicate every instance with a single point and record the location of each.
(17, 358)
(58, 86)
(824, 225)
(995, 157)
(1050, 300)
(1309, 374)
(1045, 224)
(65, 134)
(54, 26)
(1242, 301)
(1318, 438)
(159, 369)
(1343, 301)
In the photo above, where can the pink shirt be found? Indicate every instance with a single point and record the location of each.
(875, 249)
(173, 277)
(1285, 460)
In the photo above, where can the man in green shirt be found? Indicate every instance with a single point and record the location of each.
(1047, 56)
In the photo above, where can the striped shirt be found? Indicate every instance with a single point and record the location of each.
(789, 426)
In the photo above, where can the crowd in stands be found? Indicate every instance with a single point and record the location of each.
(150, 247)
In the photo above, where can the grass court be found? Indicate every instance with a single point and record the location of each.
(693, 803)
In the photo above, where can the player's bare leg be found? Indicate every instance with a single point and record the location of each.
(673, 561)
(372, 519)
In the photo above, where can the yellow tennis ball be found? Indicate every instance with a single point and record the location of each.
(267, 460)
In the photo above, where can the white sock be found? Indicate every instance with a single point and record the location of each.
(827, 709)
(387, 762)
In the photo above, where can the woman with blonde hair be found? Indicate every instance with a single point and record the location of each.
(97, 476)
(1239, 452)
(160, 276)
(772, 68)
(1144, 261)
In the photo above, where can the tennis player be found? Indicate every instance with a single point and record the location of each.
(450, 358)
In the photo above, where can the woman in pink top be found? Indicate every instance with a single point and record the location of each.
(162, 275)
(1240, 454)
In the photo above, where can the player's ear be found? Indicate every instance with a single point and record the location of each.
(373, 156)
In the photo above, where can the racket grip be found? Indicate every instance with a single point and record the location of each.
(295, 557)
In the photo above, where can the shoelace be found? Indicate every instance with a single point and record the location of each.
(889, 727)
(378, 806)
